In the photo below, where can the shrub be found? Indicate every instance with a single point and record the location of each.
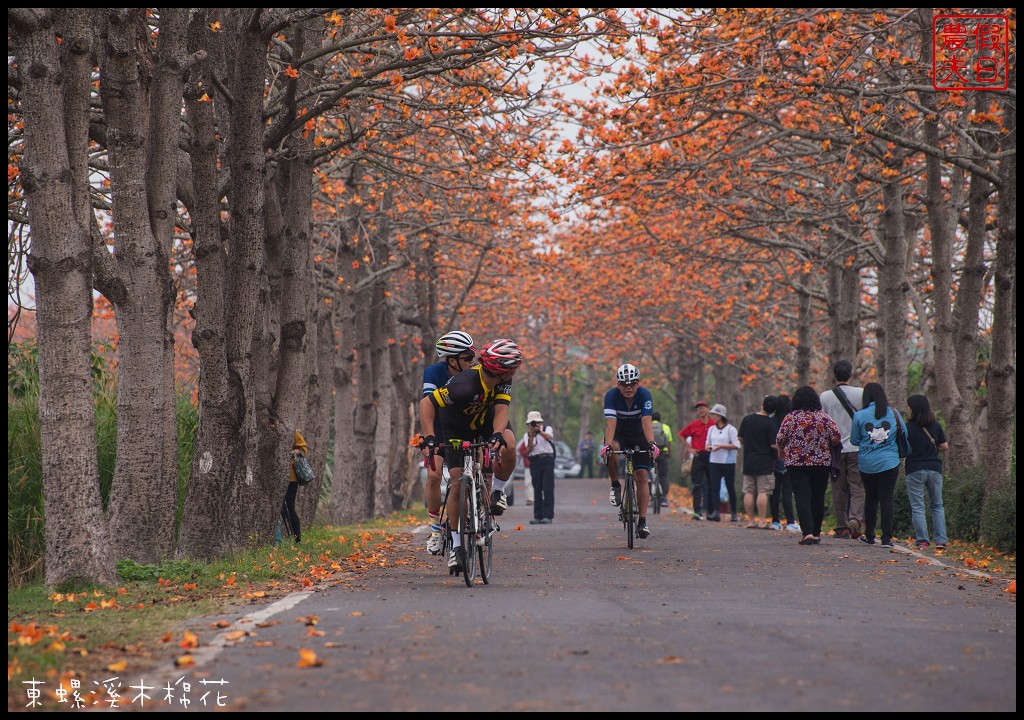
(999, 519)
(963, 494)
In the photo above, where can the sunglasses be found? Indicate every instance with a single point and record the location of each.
(467, 358)
(629, 384)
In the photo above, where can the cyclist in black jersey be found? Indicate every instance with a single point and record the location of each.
(475, 404)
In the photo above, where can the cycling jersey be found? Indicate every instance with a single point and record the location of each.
(629, 429)
(628, 414)
(466, 405)
(435, 376)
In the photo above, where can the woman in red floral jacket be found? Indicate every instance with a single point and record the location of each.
(805, 442)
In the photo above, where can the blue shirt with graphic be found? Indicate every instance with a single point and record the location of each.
(876, 438)
(628, 414)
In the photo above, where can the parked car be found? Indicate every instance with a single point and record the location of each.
(566, 464)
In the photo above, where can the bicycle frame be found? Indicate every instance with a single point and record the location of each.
(476, 526)
(629, 512)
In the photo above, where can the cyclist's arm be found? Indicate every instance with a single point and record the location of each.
(500, 417)
(648, 426)
(428, 411)
(609, 429)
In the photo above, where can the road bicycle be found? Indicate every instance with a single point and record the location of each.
(629, 511)
(654, 483)
(476, 525)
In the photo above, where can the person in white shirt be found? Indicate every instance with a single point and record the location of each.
(723, 442)
(848, 495)
(540, 450)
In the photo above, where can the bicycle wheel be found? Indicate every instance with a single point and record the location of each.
(654, 484)
(467, 529)
(629, 508)
(485, 541)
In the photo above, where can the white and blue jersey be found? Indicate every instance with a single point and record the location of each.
(434, 377)
(628, 416)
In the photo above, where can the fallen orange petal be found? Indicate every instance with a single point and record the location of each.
(185, 661)
(189, 641)
(118, 666)
(520, 527)
(308, 658)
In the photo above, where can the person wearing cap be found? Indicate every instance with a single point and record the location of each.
(540, 450)
(723, 442)
(694, 436)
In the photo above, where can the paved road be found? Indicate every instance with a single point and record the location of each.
(701, 616)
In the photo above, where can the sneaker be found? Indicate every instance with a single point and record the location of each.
(615, 495)
(940, 546)
(664, 502)
(887, 544)
(854, 534)
(776, 526)
(642, 531)
(734, 518)
(842, 533)
(499, 503)
(793, 527)
(698, 516)
(714, 518)
(434, 541)
(456, 561)
(923, 545)
(866, 540)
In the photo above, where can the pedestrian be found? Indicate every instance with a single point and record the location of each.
(662, 436)
(540, 450)
(585, 451)
(694, 437)
(924, 472)
(723, 442)
(805, 441)
(783, 492)
(874, 431)
(757, 436)
(521, 450)
(841, 402)
(290, 518)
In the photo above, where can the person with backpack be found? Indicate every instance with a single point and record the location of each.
(663, 438)
(290, 518)
(841, 402)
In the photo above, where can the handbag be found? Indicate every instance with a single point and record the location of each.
(837, 455)
(902, 444)
(303, 470)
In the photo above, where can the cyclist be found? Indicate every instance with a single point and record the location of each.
(627, 423)
(474, 404)
(457, 353)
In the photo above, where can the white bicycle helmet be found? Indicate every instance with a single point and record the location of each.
(454, 343)
(627, 373)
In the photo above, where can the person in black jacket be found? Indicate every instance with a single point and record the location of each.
(924, 472)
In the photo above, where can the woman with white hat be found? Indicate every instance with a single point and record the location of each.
(723, 442)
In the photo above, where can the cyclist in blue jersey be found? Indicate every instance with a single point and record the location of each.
(457, 353)
(474, 404)
(627, 423)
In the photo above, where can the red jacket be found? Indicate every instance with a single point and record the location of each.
(697, 432)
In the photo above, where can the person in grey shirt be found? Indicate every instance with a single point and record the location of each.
(847, 490)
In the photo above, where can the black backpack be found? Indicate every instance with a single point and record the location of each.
(303, 470)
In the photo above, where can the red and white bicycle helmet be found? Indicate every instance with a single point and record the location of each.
(502, 356)
(454, 343)
(627, 373)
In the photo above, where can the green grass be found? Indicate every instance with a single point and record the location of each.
(85, 629)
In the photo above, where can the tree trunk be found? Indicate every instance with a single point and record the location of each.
(892, 299)
(77, 547)
(1002, 374)
(143, 498)
(228, 506)
(803, 332)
